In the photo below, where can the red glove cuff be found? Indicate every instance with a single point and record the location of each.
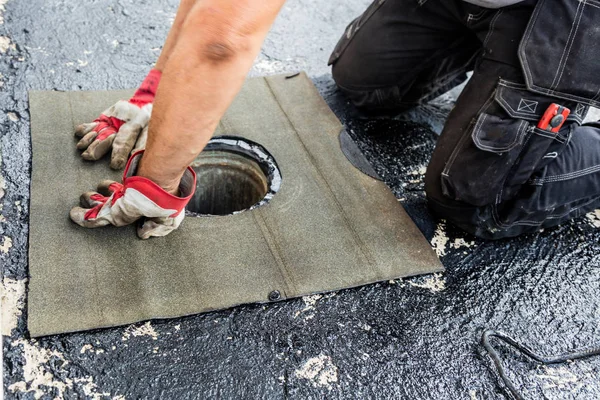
(144, 95)
(154, 192)
(147, 90)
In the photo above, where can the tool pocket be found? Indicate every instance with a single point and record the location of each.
(352, 29)
(559, 50)
(500, 150)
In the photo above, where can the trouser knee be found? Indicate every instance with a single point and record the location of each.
(347, 81)
(384, 101)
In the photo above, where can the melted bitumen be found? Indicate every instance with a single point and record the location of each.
(404, 339)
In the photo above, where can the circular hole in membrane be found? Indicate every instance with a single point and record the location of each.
(233, 175)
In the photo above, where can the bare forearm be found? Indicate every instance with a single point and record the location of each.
(217, 44)
(184, 8)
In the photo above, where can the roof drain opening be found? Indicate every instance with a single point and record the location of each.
(233, 175)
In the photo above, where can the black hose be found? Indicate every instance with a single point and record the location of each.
(485, 341)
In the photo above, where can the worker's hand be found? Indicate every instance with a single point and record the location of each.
(120, 126)
(121, 204)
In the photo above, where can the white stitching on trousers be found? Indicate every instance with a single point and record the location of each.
(564, 177)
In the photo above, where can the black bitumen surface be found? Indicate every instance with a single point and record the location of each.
(414, 339)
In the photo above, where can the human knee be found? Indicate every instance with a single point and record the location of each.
(346, 72)
(378, 102)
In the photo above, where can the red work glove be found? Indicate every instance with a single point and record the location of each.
(120, 126)
(121, 204)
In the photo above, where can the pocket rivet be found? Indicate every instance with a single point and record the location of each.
(556, 121)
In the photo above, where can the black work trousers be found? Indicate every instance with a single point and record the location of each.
(493, 173)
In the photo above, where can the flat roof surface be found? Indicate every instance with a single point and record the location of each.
(415, 338)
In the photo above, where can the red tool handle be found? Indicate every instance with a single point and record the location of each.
(554, 118)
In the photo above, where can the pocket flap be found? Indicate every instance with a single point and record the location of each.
(518, 102)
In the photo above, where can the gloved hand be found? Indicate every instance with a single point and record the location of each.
(121, 204)
(120, 126)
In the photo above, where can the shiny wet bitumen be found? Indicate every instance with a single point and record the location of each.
(409, 339)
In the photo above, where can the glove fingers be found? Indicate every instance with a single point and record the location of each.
(153, 228)
(157, 227)
(107, 187)
(123, 144)
(84, 129)
(141, 142)
(92, 199)
(77, 215)
(86, 140)
(98, 148)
